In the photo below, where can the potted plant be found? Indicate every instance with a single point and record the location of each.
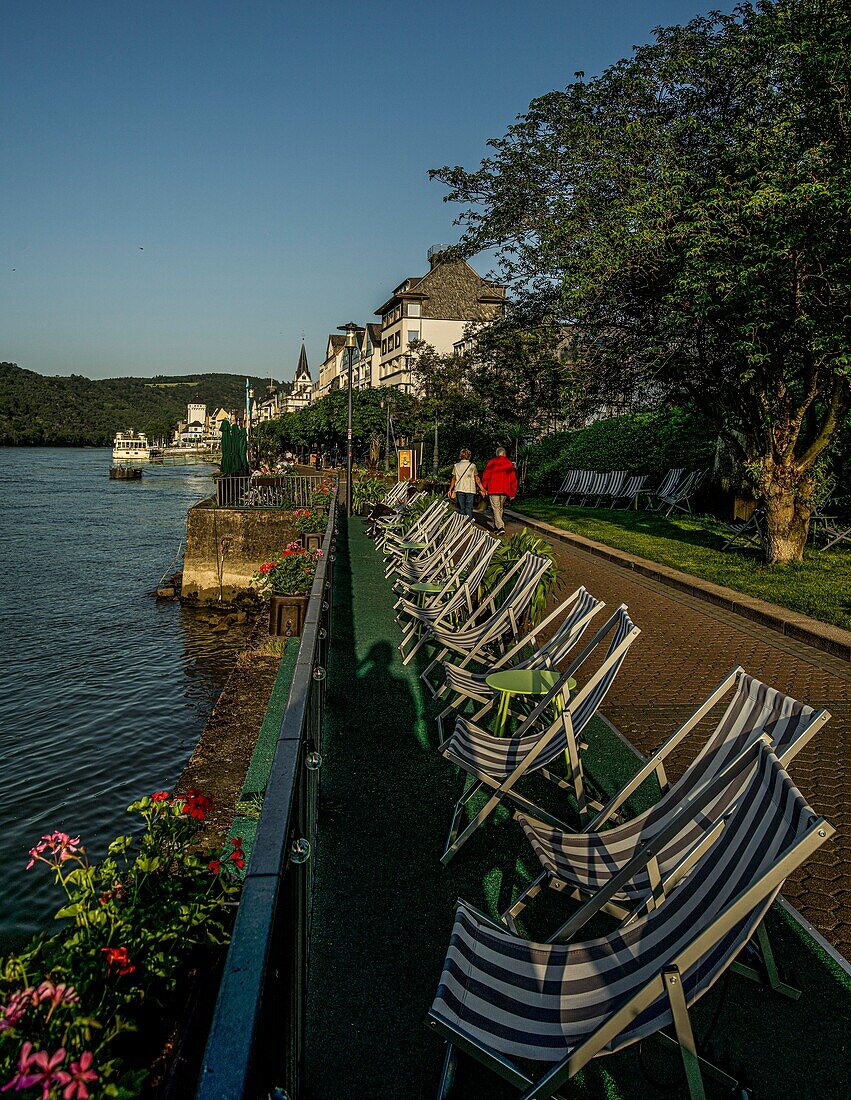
(287, 580)
(309, 523)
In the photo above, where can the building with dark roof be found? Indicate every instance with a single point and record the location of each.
(435, 308)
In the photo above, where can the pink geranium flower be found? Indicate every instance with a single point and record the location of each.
(78, 1080)
(37, 1069)
(59, 848)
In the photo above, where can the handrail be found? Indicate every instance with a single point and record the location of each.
(256, 1037)
(267, 490)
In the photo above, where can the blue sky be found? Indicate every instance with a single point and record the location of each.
(191, 185)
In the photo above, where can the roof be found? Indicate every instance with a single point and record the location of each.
(453, 278)
(302, 370)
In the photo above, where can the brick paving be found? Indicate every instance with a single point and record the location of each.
(686, 647)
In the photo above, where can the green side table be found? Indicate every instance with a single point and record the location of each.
(426, 588)
(521, 681)
(409, 546)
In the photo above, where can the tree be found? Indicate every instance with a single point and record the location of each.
(688, 213)
(525, 377)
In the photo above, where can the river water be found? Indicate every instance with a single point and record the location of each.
(103, 689)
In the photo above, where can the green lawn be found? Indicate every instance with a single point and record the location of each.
(819, 587)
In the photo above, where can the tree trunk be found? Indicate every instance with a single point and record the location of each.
(788, 507)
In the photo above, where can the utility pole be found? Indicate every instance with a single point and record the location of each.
(350, 329)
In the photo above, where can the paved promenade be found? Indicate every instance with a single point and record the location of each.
(686, 648)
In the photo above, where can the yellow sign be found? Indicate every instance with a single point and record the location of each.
(407, 465)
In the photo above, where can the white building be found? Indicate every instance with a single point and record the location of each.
(434, 308)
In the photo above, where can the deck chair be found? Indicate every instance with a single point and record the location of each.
(458, 540)
(679, 497)
(494, 624)
(455, 603)
(497, 764)
(610, 489)
(669, 482)
(593, 862)
(388, 504)
(501, 998)
(631, 488)
(750, 532)
(437, 515)
(391, 527)
(566, 487)
(834, 531)
(470, 686)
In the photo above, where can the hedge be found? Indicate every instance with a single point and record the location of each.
(642, 443)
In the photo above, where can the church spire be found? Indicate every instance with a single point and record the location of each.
(302, 370)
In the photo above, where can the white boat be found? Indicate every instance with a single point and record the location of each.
(130, 447)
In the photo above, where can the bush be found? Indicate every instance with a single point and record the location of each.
(134, 925)
(642, 443)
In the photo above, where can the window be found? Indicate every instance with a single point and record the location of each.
(398, 340)
(413, 335)
(413, 309)
(383, 347)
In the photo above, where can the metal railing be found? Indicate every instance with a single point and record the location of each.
(273, 491)
(254, 1048)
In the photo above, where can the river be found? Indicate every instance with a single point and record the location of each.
(104, 690)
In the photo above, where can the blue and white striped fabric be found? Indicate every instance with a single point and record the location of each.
(540, 1001)
(588, 860)
(477, 750)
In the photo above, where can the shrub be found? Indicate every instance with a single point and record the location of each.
(136, 921)
(642, 443)
(308, 521)
(289, 574)
(366, 490)
(507, 554)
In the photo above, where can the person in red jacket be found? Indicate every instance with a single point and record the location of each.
(500, 483)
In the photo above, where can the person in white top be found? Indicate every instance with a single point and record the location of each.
(464, 484)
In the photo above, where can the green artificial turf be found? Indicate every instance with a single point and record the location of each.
(820, 586)
(384, 905)
(257, 775)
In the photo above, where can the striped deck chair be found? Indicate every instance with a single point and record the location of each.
(751, 531)
(669, 482)
(678, 499)
(613, 488)
(629, 491)
(501, 998)
(460, 541)
(567, 485)
(387, 505)
(596, 863)
(581, 488)
(494, 624)
(497, 764)
(453, 604)
(470, 686)
(450, 531)
(391, 527)
(437, 515)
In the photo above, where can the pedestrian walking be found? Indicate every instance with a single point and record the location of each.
(465, 481)
(500, 484)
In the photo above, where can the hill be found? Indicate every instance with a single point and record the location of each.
(36, 410)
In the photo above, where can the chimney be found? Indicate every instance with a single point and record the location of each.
(435, 254)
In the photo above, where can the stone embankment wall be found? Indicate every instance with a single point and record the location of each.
(226, 546)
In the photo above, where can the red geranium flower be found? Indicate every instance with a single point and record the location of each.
(215, 866)
(117, 956)
(160, 796)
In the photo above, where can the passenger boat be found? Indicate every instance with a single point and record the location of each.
(125, 473)
(130, 447)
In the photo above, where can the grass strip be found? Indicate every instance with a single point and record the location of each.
(257, 775)
(819, 587)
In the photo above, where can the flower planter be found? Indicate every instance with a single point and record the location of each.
(286, 615)
(312, 541)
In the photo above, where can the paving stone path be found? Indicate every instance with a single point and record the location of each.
(686, 647)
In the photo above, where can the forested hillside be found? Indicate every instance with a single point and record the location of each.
(76, 411)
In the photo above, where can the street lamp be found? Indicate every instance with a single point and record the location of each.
(350, 329)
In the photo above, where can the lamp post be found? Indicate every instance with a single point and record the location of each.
(350, 329)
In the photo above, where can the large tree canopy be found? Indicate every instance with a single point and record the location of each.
(688, 213)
